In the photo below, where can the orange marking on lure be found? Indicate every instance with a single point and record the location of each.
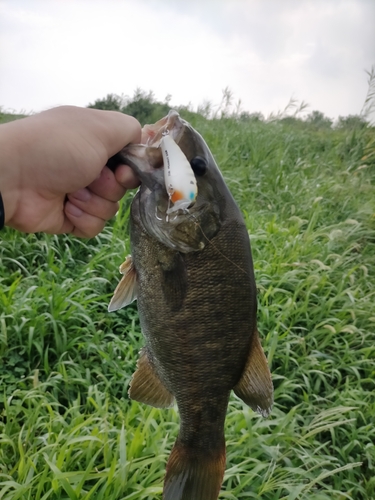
(177, 195)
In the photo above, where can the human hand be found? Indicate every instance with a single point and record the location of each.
(53, 176)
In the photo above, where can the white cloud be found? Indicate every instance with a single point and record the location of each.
(60, 52)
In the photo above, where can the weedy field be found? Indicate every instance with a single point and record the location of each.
(67, 427)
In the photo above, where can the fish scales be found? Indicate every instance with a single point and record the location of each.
(214, 320)
(197, 305)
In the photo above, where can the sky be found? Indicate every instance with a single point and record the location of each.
(55, 52)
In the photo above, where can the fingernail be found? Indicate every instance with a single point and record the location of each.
(73, 210)
(82, 194)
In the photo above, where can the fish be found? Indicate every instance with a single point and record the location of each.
(191, 272)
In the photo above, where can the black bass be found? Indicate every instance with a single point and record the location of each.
(191, 271)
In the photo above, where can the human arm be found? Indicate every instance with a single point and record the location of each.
(52, 169)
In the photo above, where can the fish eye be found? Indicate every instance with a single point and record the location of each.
(199, 165)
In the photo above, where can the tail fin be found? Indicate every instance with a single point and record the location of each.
(194, 474)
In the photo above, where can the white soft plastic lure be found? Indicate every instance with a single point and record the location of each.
(179, 177)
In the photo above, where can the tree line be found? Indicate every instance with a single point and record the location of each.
(147, 109)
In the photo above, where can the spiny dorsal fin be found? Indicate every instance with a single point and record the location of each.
(146, 386)
(126, 290)
(255, 385)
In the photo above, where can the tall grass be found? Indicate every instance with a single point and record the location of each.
(67, 427)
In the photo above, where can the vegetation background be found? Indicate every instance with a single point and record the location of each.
(306, 187)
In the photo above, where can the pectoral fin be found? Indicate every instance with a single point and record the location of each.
(255, 385)
(126, 290)
(146, 386)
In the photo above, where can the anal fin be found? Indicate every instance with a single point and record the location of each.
(146, 386)
(126, 290)
(255, 385)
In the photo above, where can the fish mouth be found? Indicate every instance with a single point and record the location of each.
(163, 164)
(146, 159)
(171, 124)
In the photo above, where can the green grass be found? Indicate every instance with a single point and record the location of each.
(9, 117)
(67, 427)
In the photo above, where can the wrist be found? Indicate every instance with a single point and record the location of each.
(9, 169)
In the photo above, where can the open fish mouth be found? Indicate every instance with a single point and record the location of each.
(159, 149)
(171, 124)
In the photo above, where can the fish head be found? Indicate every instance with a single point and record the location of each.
(183, 230)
